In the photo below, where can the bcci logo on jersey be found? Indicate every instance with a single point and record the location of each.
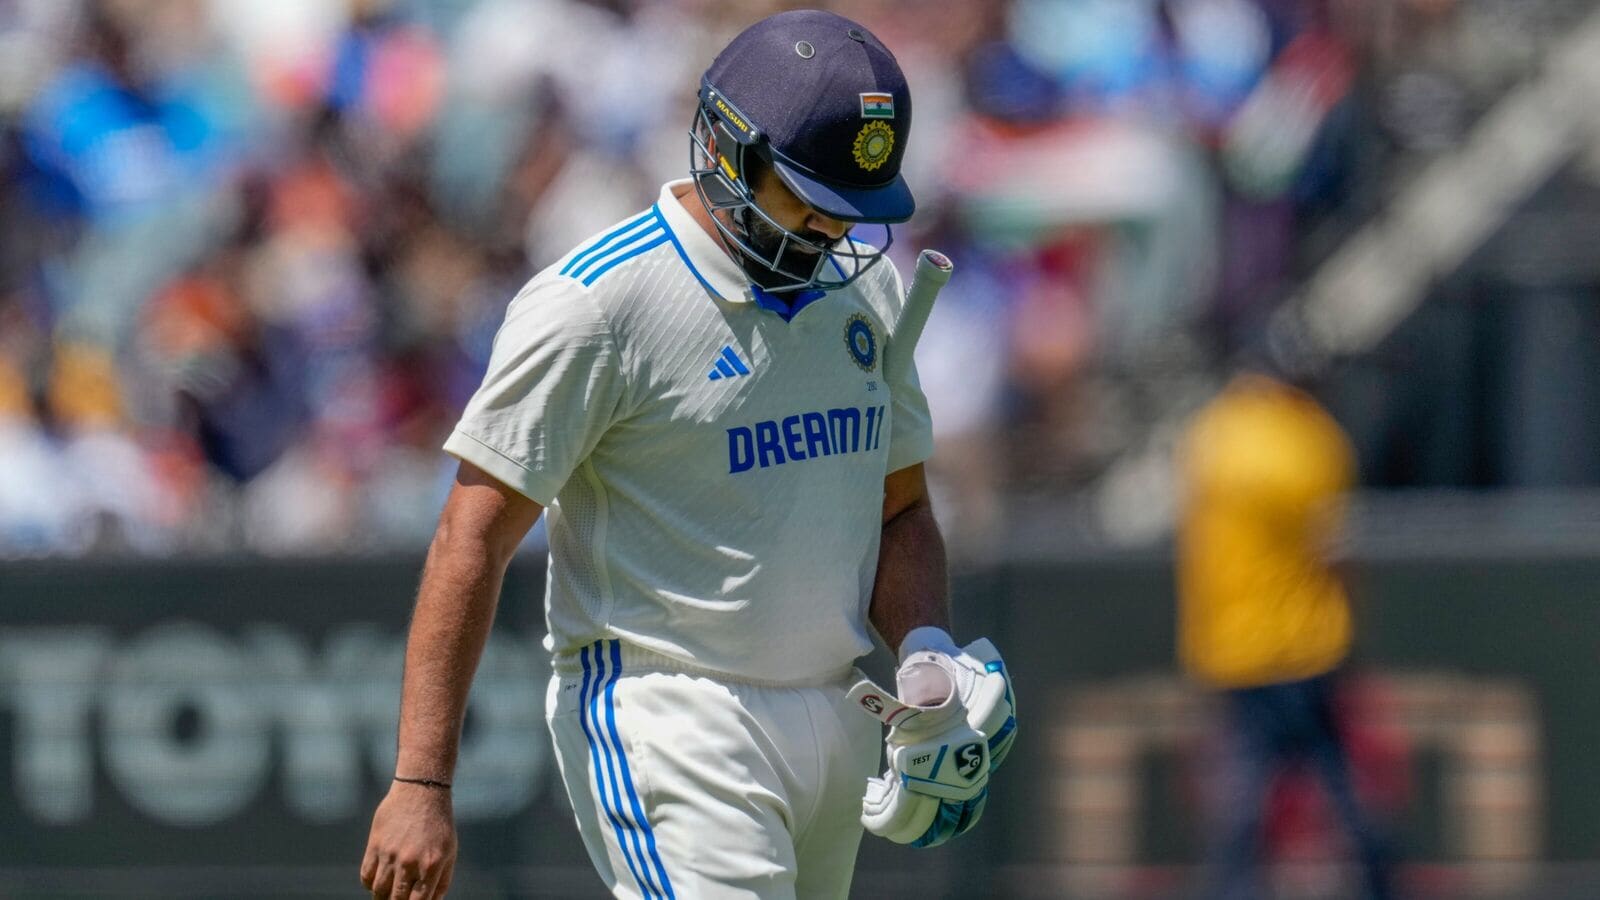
(861, 341)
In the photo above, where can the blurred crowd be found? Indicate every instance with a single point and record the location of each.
(252, 255)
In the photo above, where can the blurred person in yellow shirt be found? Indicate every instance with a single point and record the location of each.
(1263, 616)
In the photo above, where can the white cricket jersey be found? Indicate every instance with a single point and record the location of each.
(713, 473)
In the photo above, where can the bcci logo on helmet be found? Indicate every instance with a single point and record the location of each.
(873, 145)
(861, 341)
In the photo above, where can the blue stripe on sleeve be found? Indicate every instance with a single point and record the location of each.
(588, 697)
(622, 257)
(627, 777)
(646, 230)
(608, 239)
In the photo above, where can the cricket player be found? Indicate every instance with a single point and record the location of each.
(698, 400)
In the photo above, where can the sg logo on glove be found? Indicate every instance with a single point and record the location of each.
(969, 761)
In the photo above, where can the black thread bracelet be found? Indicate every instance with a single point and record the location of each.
(425, 782)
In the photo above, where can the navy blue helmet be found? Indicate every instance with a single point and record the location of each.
(820, 102)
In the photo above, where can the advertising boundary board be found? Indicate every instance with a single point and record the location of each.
(202, 723)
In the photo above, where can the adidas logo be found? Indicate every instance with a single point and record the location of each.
(728, 366)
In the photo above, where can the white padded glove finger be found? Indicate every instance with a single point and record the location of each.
(984, 686)
(922, 811)
(900, 816)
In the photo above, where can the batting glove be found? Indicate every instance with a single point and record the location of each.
(939, 753)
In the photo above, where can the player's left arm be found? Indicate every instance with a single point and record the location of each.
(953, 701)
(911, 610)
(912, 586)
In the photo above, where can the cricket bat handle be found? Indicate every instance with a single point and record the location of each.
(933, 273)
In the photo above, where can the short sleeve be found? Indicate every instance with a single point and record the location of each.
(911, 424)
(553, 387)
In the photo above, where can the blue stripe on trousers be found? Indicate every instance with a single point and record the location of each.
(627, 777)
(614, 749)
(587, 701)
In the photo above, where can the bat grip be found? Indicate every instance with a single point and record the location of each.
(932, 273)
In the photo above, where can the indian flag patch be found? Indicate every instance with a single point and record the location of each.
(877, 106)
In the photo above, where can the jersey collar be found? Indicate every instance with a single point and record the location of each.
(785, 311)
(703, 254)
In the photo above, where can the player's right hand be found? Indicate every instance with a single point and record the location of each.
(411, 851)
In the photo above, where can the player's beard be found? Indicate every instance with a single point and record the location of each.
(798, 263)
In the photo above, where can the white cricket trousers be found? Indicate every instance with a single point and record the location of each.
(690, 786)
